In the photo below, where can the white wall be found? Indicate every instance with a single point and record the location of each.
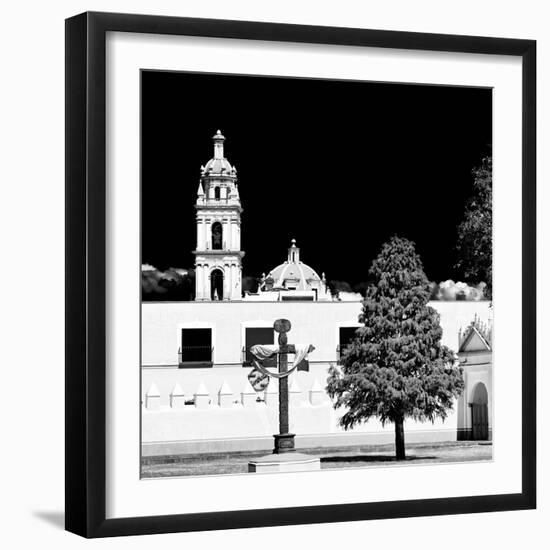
(169, 425)
(314, 323)
(31, 240)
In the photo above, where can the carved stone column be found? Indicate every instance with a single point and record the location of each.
(199, 282)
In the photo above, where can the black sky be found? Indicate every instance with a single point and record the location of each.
(339, 166)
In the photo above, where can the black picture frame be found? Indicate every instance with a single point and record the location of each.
(86, 285)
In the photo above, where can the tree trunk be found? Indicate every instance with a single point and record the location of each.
(399, 439)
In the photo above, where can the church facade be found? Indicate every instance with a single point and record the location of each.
(196, 355)
(218, 254)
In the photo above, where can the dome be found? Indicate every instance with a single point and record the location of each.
(289, 272)
(292, 281)
(218, 167)
(294, 274)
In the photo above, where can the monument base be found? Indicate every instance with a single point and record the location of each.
(286, 462)
(284, 443)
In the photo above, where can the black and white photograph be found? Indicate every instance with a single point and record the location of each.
(275, 274)
(316, 274)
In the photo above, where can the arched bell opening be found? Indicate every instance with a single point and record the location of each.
(217, 235)
(216, 284)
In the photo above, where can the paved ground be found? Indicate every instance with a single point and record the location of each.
(345, 457)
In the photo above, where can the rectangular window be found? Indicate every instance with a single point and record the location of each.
(258, 335)
(196, 347)
(346, 335)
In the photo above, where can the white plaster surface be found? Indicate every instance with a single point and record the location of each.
(314, 323)
(311, 411)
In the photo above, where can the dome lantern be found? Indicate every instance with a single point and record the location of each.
(293, 253)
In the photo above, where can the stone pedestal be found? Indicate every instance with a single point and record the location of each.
(152, 398)
(248, 396)
(177, 397)
(284, 443)
(225, 396)
(202, 397)
(272, 394)
(288, 462)
(294, 394)
(317, 394)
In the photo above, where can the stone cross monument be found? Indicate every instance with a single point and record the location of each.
(284, 440)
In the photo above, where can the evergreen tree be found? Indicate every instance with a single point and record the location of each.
(475, 243)
(396, 367)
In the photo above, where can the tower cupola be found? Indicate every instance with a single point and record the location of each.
(218, 177)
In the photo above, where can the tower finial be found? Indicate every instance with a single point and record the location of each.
(218, 140)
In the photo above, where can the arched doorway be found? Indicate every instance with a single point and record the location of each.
(217, 233)
(216, 284)
(480, 413)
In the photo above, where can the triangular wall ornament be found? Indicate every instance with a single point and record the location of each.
(152, 398)
(316, 393)
(177, 397)
(225, 395)
(202, 397)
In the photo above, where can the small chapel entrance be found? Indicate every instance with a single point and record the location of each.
(216, 285)
(480, 413)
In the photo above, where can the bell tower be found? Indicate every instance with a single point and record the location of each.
(218, 255)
